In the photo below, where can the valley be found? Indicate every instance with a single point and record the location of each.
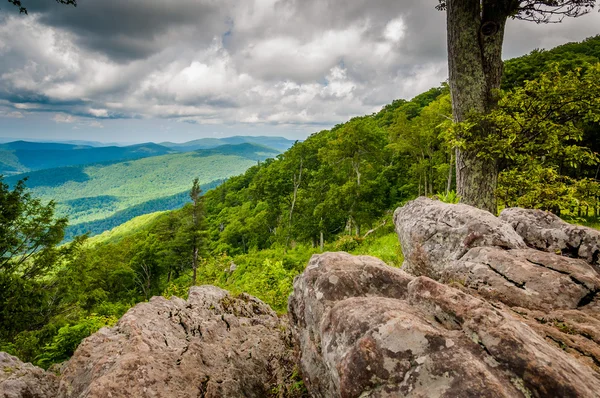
(147, 178)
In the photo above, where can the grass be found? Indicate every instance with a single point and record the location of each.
(130, 227)
(386, 247)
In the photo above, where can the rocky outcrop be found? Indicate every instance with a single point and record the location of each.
(555, 294)
(433, 232)
(543, 230)
(483, 307)
(368, 330)
(23, 380)
(472, 248)
(212, 345)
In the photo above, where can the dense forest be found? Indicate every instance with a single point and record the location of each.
(334, 191)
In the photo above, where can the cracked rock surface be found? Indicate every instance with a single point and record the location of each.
(545, 231)
(368, 330)
(550, 286)
(212, 345)
(23, 380)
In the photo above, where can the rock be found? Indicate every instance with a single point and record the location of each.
(368, 330)
(525, 278)
(432, 232)
(557, 296)
(436, 243)
(23, 380)
(212, 345)
(545, 231)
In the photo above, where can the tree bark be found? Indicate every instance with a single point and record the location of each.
(321, 242)
(297, 182)
(195, 265)
(449, 182)
(475, 36)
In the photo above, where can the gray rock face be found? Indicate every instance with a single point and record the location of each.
(556, 296)
(433, 232)
(212, 345)
(545, 231)
(368, 330)
(496, 264)
(23, 380)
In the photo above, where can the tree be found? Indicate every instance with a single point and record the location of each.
(197, 229)
(29, 238)
(356, 154)
(536, 132)
(29, 233)
(475, 35)
(23, 10)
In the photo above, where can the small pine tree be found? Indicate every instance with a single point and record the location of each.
(197, 229)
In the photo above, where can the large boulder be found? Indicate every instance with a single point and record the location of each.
(558, 296)
(432, 232)
(471, 247)
(543, 230)
(368, 330)
(525, 278)
(212, 345)
(23, 380)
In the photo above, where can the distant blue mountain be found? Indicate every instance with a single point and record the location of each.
(279, 143)
(23, 156)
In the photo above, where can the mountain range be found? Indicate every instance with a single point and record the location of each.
(19, 157)
(98, 188)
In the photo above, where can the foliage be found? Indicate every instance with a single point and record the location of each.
(67, 339)
(29, 235)
(537, 130)
(570, 56)
(449, 197)
(23, 10)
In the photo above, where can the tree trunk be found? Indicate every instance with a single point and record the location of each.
(449, 182)
(297, 182)
(321, 242)
(195, 265)
(475, 35)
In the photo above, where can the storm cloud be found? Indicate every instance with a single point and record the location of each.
(300, 65)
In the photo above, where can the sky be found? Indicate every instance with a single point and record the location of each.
(178, 70)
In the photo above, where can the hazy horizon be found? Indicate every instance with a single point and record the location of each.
(4, 140)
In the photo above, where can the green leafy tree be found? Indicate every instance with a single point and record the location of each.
(356, 153)
(535, 136)
(475, 35)
(421, 142)
(29, 238)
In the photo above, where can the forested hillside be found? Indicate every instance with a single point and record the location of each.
(334, 191)
(21, 156)
(98, 197)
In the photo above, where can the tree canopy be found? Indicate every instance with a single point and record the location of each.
(475, 32)
(23, 9)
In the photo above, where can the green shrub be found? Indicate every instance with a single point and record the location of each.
(347, 243)
(65, 343)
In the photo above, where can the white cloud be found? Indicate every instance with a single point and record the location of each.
(63, 118)
(255, 62)
(395, 30)
(98, 112)
(96, 124)
(13, 115)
